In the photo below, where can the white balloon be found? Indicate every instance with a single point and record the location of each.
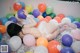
(15, 43)
(76, 46)
(66, 20)
(41, 49)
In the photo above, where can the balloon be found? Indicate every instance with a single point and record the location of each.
(8, 16)
(66, 20)
(30, 13)
(36, 13)
(29, 40)
(4, 20)
(44, 14)
(13, 29)
(0, 23)
(40, 49)
(54, 46)
(13, 19)
(67, 50)
(76, 46)
(61, 16)
(29, 8)
(67, 40)
(49, 10)
(77, 19)
(2, 29)
(0, 37)
(52, 15)
(42, 41)
(7, 46)
(15, 43)
(42, 7)
(71, 18)
(77, 24)
(58, 19)
(76, 34)
(36, 19)
(17, 6)
(23, 4)
(7, 23)
(40, 17)
(21, 14)
(48, 18)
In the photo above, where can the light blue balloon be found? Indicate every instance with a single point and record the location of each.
(71, 18)
(23, 4)
(3, 20)
(36, 19)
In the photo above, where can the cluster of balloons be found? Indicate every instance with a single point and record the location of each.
(11, 24)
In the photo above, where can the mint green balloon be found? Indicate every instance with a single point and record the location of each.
(52, 15)
(8, 16)
(77, 19)
(49, 10)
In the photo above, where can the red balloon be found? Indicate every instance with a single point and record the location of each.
(52, 46)
(17, 6)
(42, 7)
(61, 16)
(0, 23)
(58, 19)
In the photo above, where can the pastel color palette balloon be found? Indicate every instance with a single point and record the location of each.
(77, 24)
(40, 49)
(71, 18)
(44, 14)
(52, 15)
(40, 17)
(48, 18)
(42, 41)
(61, 16)
(23, 4)
(76, 34)
(54, 47)
(29, 40)
(0, 36)
(15, 43)
(77, 19)
(42, 7)
(0, 23)
(58, 19)
(7, 23)
(36, 13)
(49, 10)
(76, 46)
(67, 40)
(17, 6)
(67, 50)
(8, 16)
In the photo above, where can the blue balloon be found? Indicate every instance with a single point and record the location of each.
(44, 14)
(0, 36)
(21, 14)
(36, 13)
(71, 18)
(67, 50)
(23, 4)
(13, 19)
(77, 24)
(8, 47)
(3, 20)
(67, 40)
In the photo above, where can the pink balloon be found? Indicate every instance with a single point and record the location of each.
(29, 40)
(76, 34)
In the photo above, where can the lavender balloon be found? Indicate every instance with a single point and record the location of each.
(36, 13)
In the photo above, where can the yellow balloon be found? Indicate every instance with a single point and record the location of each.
(40, 17)
(29, 52)
(29, 8)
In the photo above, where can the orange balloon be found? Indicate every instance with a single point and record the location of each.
(17, 6)
(48, 18)
(2, 29)
(61, 16)
(52, 46)
(40, 17)
(42, 7)
(58, 19)
(42, 41)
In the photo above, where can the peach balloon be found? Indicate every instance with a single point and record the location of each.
(61, 16)
(58, 19)
(40, 17)
(42, 41)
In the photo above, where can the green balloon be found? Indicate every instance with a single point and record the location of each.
(8, 16)
(77, 19)
(52, 15)
(49, 10)
(30, 13)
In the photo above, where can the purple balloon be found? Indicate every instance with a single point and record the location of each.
(67, 40)
(13, 19)
(78, 24)
(67, 50)
(21, 14)
(36, 13)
